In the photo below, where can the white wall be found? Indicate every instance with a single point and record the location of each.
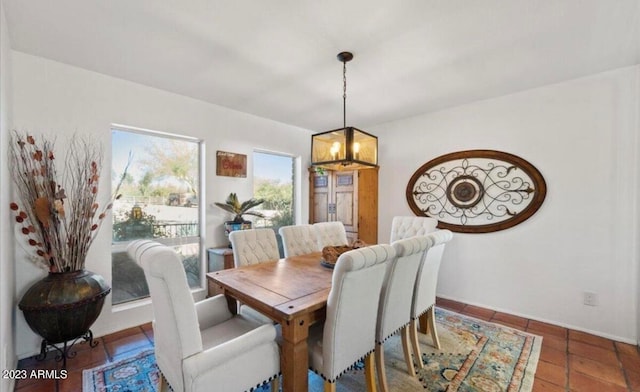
(583, 136)
(51, 97)
(7, 264)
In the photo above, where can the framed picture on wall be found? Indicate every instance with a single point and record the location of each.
(230, 164)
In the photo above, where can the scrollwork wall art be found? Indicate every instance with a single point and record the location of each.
(476, 191)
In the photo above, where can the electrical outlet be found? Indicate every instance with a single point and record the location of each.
(590, 298)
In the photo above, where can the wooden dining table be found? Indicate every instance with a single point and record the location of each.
(293, 292)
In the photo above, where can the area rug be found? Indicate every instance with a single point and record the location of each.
(475, 355)
(138, 373)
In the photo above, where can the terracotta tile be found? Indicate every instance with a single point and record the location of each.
(633, 378)
(32, 364)
(631, 362)
(126, 344)
(547, 329)
(87, 358)
(595, 353)
(149, 334)
(506, 324)
(478, 312)
(611, 374)
(627, 348)
(450, 304)
(47, 385)
(553, 342)
(540, 385)
(591, 339)
(72, 383)
(556, 357)
(122, 334)
(499, 317)
(552, 373)
(579, 382)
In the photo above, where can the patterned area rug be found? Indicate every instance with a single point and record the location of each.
(476, 356)
(138, 373)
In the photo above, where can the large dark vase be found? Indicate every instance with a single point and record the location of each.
(63, 306)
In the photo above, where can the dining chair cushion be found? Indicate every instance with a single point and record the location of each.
(201, 344)
(396, 297)
(299, 240)
(409, 226)
(426, 284)
(330, 234)
(348, 333)
(254, 246)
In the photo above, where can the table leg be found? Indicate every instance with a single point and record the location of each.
(232, 303)
(294, 361)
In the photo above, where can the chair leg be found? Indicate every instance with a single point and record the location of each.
(275, 384)
(369, 372)
(413, 331)
(329, 386)
(382, 373)
(164, 385)
(432, 327)
(423, 326)
(407, 351)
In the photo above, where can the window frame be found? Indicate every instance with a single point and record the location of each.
(199, 239)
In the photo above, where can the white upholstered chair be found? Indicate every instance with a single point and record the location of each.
(330, 234)
(409, 226)
(252, 247)
(201, 346)
(424, 297)
(396, 299)
(299, 240)
(348, 333)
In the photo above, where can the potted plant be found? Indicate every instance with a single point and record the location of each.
(59, 218)
(239, 209)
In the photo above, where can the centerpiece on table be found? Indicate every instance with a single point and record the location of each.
(239, 209)
(330, 254)
(58, 217)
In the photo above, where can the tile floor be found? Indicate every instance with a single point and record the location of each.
(569, 361)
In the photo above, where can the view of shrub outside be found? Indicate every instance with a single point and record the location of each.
(273, 179)
(159, 182)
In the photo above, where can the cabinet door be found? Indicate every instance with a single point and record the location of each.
(345, 190)
(321, 198)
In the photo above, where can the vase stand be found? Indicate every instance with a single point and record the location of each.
(65, 351)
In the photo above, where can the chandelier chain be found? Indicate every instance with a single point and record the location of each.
(344, 94)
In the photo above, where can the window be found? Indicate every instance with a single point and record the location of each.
(159, 178)
(273, 180)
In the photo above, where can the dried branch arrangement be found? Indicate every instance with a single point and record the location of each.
(59, 216)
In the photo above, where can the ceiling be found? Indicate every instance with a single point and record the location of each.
(277, 59)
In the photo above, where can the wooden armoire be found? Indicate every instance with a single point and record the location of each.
(347, 196)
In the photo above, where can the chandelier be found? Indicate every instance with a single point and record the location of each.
(346, 148)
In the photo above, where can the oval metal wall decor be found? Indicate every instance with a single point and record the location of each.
(476, 191)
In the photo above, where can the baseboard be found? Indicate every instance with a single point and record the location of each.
(569, 326)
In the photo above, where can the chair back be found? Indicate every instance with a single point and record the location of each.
(352, 307)
(396, 297)
(426, 284)
(254, 246)
(410, 226)
(330, 234)
(299, 240)
(175, 327)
